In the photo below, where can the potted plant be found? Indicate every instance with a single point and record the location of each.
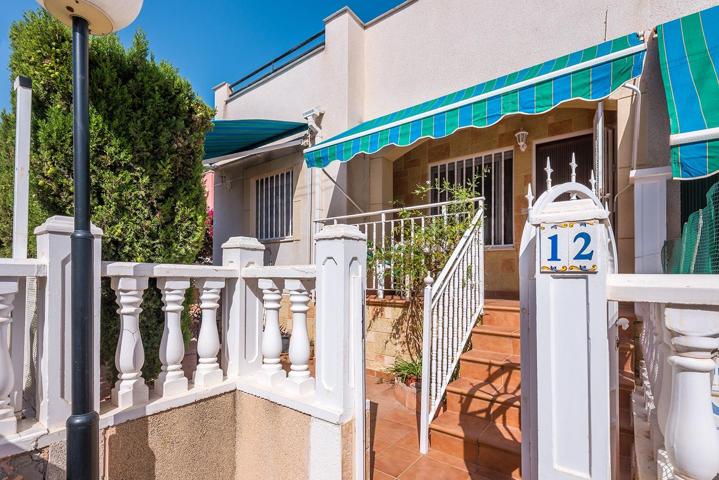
(407, 382)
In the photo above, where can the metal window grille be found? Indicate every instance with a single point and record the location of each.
(273, 206)
(490, 175)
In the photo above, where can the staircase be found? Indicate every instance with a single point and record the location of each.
(479, 422)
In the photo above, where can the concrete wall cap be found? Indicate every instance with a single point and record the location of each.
(333, 232)
(246, 243)
(220, 85)
(342, 11)
(63, 224)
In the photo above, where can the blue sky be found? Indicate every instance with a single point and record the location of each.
(211, 41)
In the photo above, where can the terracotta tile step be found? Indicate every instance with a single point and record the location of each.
(484, 400)
(496, 338)
(501, 312)
(499, 369)
(479, 441)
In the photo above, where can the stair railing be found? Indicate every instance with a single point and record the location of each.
(452, 305)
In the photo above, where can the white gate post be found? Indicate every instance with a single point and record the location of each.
(53, 391)
(566, 253)
(23, 117)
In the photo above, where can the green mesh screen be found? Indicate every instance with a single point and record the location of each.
(698, 249)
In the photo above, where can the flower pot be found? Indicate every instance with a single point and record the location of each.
(408, 393)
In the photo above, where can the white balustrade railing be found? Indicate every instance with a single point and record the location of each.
(679, 344)
(244, 352)
(452, 305)
(387, 229)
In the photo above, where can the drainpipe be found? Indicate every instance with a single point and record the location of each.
(635, 135)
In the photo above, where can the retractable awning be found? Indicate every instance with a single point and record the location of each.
(231, 136)
(589, 74)
(689, 57)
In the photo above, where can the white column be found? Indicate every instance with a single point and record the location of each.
(271, 373)
(299, 380)
(172, 380)
(23, 119)
(242, 309)
(691, 437)
(130, 388)
(341, 255)
(208, 371)
(53, 390)
(650, 217)
(8, 422)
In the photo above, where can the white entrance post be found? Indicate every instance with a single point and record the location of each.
(23, 115)
(650, 217)
(566, 253)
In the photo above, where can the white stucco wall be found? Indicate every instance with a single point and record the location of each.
(428, 48)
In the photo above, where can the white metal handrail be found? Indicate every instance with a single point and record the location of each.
(384, 231)
(452, 305)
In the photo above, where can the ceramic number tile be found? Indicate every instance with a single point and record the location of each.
(553, 245)
(583, 240)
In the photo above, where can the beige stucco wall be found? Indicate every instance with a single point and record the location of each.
(501, 263)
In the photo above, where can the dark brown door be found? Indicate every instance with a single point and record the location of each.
(559, 153)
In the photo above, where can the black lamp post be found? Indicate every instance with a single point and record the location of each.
(99, 17)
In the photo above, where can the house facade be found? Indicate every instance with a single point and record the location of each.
(419, 51)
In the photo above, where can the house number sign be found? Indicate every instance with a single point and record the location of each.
(568, 247)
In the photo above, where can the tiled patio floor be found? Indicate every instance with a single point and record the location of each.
(394, 443)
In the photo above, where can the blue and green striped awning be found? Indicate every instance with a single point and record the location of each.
(589, 74)
(231, 136)
(689, 56)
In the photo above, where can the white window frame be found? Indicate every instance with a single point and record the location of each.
(274, 229)
(474, 157)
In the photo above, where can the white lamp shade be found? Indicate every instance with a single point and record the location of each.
(103, 16)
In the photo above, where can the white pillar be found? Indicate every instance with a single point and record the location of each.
(650, 217)
(691, 438)
(172, 380)
(130, 388)
(23, 119)
(299, 380)
(242, 309)
(53, 391)
(271, 373)
(208, 371)
(341, 255)
(8, 422)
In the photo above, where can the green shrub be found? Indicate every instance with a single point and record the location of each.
(147, 128)
(405, 370)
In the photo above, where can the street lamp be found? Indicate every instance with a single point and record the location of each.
(99, 17)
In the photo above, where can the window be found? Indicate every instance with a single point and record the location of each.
(273, 206)
(491, 176)
(560, 153)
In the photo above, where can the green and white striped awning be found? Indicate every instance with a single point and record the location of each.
(589, 74)
(689, 55)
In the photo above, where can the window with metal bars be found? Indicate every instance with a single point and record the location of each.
(273, 206)
(490, 175)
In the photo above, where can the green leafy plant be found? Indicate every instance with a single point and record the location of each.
(147, 129)
(421, 251)
(406, 370)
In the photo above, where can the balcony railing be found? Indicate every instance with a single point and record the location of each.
(309, 46)
(241, 352)
(387, 230)
(679, 344)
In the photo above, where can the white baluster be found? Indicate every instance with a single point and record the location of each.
(130, 388)
(691, 438)
(299, 380)
(172, 380)
(208, 371)
(662, 397)
(8, 422)
(271, 373)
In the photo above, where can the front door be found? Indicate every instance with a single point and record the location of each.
(560, 153)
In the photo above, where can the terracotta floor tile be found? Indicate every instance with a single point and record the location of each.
(395, 460)
(428, 469)
(390, 432)
(377, 475)
(409, 441)
(450, 460)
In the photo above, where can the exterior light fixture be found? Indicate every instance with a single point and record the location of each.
(99, 17)
(521, 137)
